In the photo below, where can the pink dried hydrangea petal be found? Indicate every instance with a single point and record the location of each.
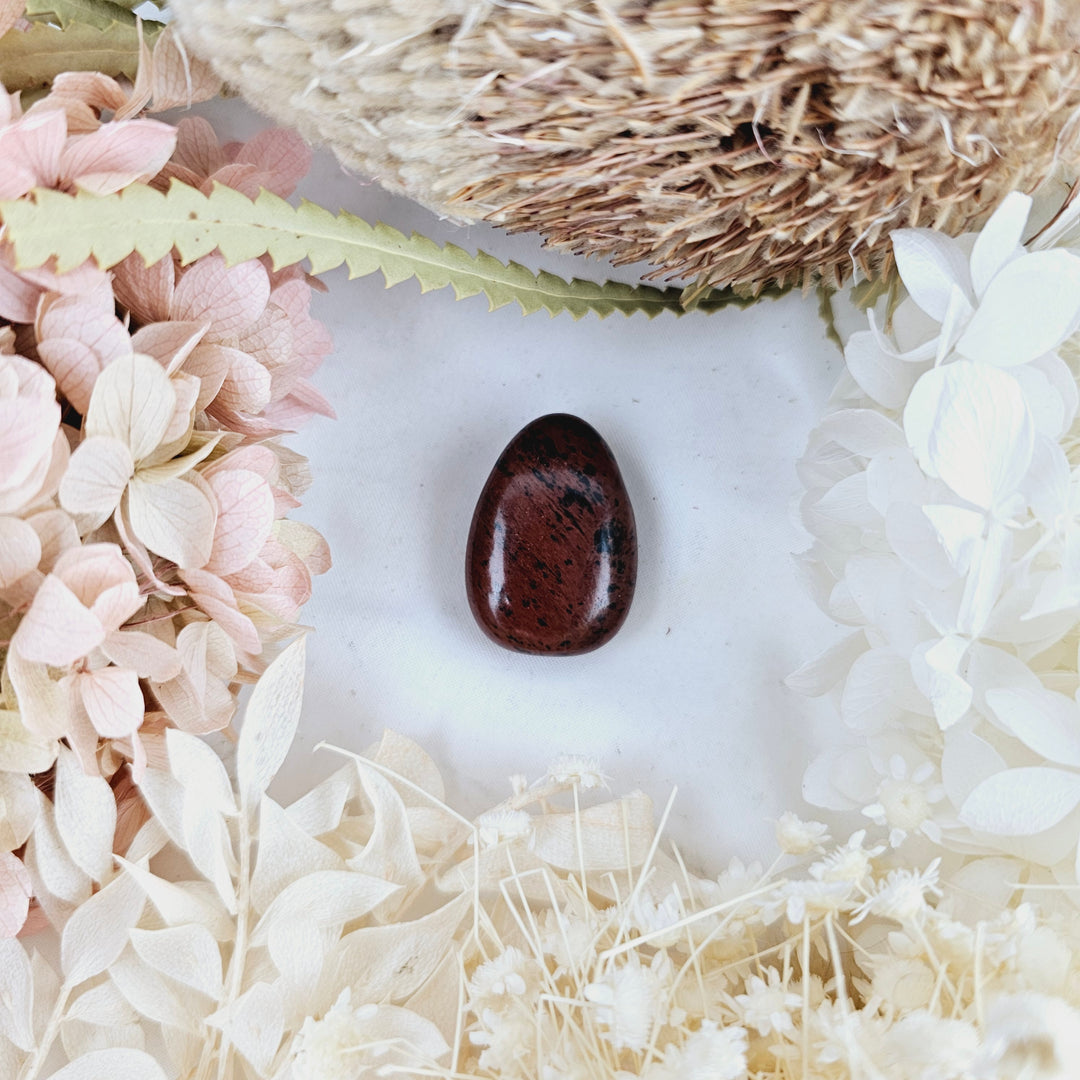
(197, 147)
(169, 343)
(176, 77)
(247, 384)
(11, 11)
(20, 550)
(145, 291)
(216, 598)
(15, 893)
(146, 655)
(279, 153)
(231, 297)
(113, 700)
(209, 364)
(18, 296)
(117, 154)
(75, 366)
(94, 571)
(57, 629)
(30, 152)
(245, 518)
(56, 533)
(28, 426)
(240, 177)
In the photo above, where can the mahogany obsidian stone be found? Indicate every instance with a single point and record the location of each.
(552, 554)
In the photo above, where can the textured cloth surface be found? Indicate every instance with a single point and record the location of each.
(706, 416)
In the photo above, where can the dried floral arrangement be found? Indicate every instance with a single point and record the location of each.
(156, 342)
(738, 143)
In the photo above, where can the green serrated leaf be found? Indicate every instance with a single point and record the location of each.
(33, 58)
(75, 228)
(100, 14)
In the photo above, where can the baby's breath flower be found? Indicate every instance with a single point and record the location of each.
(710, 1053)
(902, 895)
(801, 899)
(508, 975)
(497, 826)
(577, 771)
(767, 1004)
(797, 837)
(628, 1002)
(850, 862)
(905, 802)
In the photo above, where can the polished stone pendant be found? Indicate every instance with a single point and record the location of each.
(552, 554)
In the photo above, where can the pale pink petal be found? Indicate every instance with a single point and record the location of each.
(42, 483)
(245, 518)
(28, 427)
(117, 154)
(96, 477)
(18, 297)
(253, 457)
(30, 151)
(169, 343)
(98, 91)
(20, 550)
(94, 571)
(174, 519)
(280, 153)
(231, 297)
(177, 77)
(75, 366)
(145, 291)
(56, 534)
(284, 501)
(244, 178)
(15, 893)
(209, 364)
(247, 385)
(218, 601)
(133, 401)
(86, 278)
(186, 388)
(113, 700)
(57, 629)
(146, 655)
(256, 577)
(11, 11)
(307, 543)
(270, 341)
(197, 146)
(293, 411)
(253, 427)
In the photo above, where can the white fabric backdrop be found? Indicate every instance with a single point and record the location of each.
(706, 416)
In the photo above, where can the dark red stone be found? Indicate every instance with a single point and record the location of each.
(552, 554)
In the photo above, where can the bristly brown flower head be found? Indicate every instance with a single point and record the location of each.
(737, 143)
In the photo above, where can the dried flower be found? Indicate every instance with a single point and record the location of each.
(748, 146)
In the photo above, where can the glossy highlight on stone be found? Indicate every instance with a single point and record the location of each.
(552, 555)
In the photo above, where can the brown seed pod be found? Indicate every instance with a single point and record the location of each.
(726, 141)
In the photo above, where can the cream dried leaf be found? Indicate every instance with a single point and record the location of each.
(187, 954)
(270, 722)
(116, 1063)
(98, 930)
(286, 853)
(16, 995)
(85, 811)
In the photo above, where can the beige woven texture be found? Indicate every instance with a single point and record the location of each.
(734, 142)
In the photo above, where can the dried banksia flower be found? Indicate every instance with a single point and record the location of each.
(734, 142)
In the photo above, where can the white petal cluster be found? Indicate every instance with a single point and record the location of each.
(943, 496)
